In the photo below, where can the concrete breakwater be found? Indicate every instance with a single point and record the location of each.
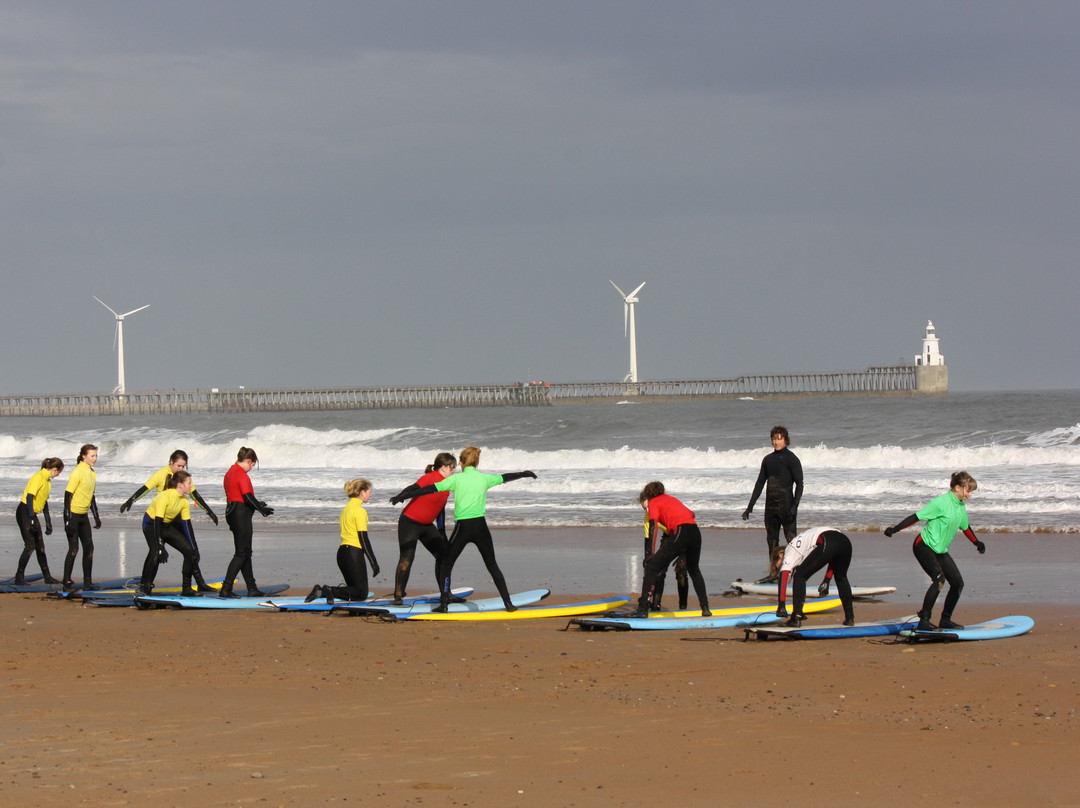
(875, 382)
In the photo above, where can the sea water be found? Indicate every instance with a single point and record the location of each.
(867, 462)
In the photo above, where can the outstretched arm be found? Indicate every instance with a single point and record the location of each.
(133, 498)
(908, 521)
(517, 475)
(411, 492)
(202, 504)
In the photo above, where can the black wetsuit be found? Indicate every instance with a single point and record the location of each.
(409, 533)
(238, 517)
(833, 549)
(350, 561)
(782, 471)
(33, 540)
(176, 536)
(473, 531)
(941, 568)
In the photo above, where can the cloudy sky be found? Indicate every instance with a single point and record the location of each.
(345, 192)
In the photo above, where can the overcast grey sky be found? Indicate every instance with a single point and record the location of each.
(360, 193)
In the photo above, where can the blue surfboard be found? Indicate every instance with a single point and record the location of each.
(210, 600)
(375, 604)
(876, 628)
(482, 605)
(673, 623)
(1011, 626)
(38, 586)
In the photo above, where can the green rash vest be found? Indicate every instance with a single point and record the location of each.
(470, 489)
(944, 516)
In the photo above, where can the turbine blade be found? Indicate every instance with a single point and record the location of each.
(617, 289)
(148, 306)
(636, 290)
(103, 303)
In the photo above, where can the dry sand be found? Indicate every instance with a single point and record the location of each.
(109, 707)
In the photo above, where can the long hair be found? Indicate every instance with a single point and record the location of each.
(177, 477)
(354, 488)
(53, 463)
(85, 450)
(441, 459)
(246, 454)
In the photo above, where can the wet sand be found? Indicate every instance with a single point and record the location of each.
(119, 707)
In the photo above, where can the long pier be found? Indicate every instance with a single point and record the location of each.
(875, 382)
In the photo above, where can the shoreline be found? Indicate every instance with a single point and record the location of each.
(117, 706)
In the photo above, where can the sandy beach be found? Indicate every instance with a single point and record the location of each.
(121, 707)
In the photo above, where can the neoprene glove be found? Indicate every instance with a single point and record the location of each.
(889, 531)
(980, 547)
(127, 504)
(746, 515)
(162, 554)
(823, 588)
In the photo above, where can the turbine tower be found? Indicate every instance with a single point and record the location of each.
(118, 341)
(628, 317)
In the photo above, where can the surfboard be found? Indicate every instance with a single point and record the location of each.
(876, 628)
(128, 591)
(207, 601)
(769, 590)
(527, 612)
(373, 603)
(30, 579)
(601, 623)
(38, 586)
(1011, 626)
(811, 605)
(482, 605)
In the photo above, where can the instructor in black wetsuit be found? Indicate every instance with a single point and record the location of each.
(783, 473)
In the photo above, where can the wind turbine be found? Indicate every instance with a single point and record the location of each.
(118, 341)
(628, 317)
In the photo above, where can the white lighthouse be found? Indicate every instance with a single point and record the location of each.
(930, 355)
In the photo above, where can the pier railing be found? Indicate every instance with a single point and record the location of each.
(900, 380)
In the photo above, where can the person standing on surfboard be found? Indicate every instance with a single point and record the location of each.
(79, 505)
(804, 555)
(470, 489)
(240, 506)
(424, 521)
(355, 545)
(682, 582)
(169, 522)
(781, 476)
(178, 462)
(35, 500)
(944, 516)
(683, 538)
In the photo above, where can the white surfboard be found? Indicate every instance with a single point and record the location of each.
(769, 590)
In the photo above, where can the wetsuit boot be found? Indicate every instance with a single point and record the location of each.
(200, 583)
(254, 591)
(947, 622)
(186, 589)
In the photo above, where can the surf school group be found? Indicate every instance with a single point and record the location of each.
(672, 536)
